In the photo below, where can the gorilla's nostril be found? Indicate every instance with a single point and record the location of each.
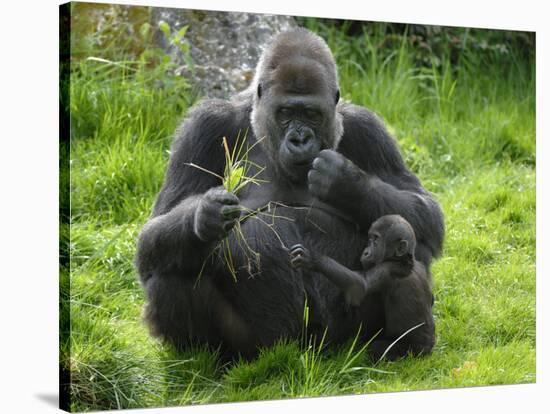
(299, 139)
(295, 140)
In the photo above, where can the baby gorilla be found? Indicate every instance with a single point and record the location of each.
(391, 270)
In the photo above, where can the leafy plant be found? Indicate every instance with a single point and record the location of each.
(237, 175)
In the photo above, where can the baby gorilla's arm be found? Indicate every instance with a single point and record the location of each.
(355, 284)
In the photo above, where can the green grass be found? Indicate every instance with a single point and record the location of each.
(467, 130)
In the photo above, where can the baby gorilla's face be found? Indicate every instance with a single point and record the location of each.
(373, 253)
(391, 237)
(366, 259)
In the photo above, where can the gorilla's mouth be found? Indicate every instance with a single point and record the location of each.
(297, 169)
(303, 163)
(302, 160)
(366, 256)
(296, 165)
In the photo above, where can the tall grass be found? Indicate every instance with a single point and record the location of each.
(467, 128)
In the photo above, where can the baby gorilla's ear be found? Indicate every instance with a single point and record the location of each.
(402, 248)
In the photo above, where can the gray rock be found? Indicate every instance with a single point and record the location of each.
(224, 47)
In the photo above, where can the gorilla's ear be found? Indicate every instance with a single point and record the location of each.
(337, 96)
(259, 90)
(402, 248)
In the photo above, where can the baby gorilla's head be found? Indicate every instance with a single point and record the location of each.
(391, 238)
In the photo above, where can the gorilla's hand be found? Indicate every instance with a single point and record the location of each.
(334, 179)
(300, 257)
(216, 214)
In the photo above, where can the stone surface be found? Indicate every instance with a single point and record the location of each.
(224, 47)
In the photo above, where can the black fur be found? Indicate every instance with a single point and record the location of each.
(331, 169)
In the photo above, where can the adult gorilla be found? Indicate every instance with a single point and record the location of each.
(331, 169)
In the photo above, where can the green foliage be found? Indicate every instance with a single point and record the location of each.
(111, 29)
(431, 45)
(465, 125)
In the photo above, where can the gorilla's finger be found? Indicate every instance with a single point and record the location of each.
(319, 164)
(315, 189)
(211, 232)
(212, 226)
(296, 246)
(327, 154)
(222, 196)
(231, 211)
(314, 176)
(228, 225)
(228, 198)
(211, 214)
(332, 158)
(298, 251)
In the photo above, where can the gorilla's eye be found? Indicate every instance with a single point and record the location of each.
(285, 112)
(374, 239)
(312, 114)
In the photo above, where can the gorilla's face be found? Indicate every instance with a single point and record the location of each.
(295, 110)
(390, 238)
(300, 123)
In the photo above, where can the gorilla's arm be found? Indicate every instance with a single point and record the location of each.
(367, 178)
(191, 212)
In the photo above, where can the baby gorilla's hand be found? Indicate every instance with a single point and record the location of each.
(300, 257)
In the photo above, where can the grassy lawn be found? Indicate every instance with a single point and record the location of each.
(466, 127)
